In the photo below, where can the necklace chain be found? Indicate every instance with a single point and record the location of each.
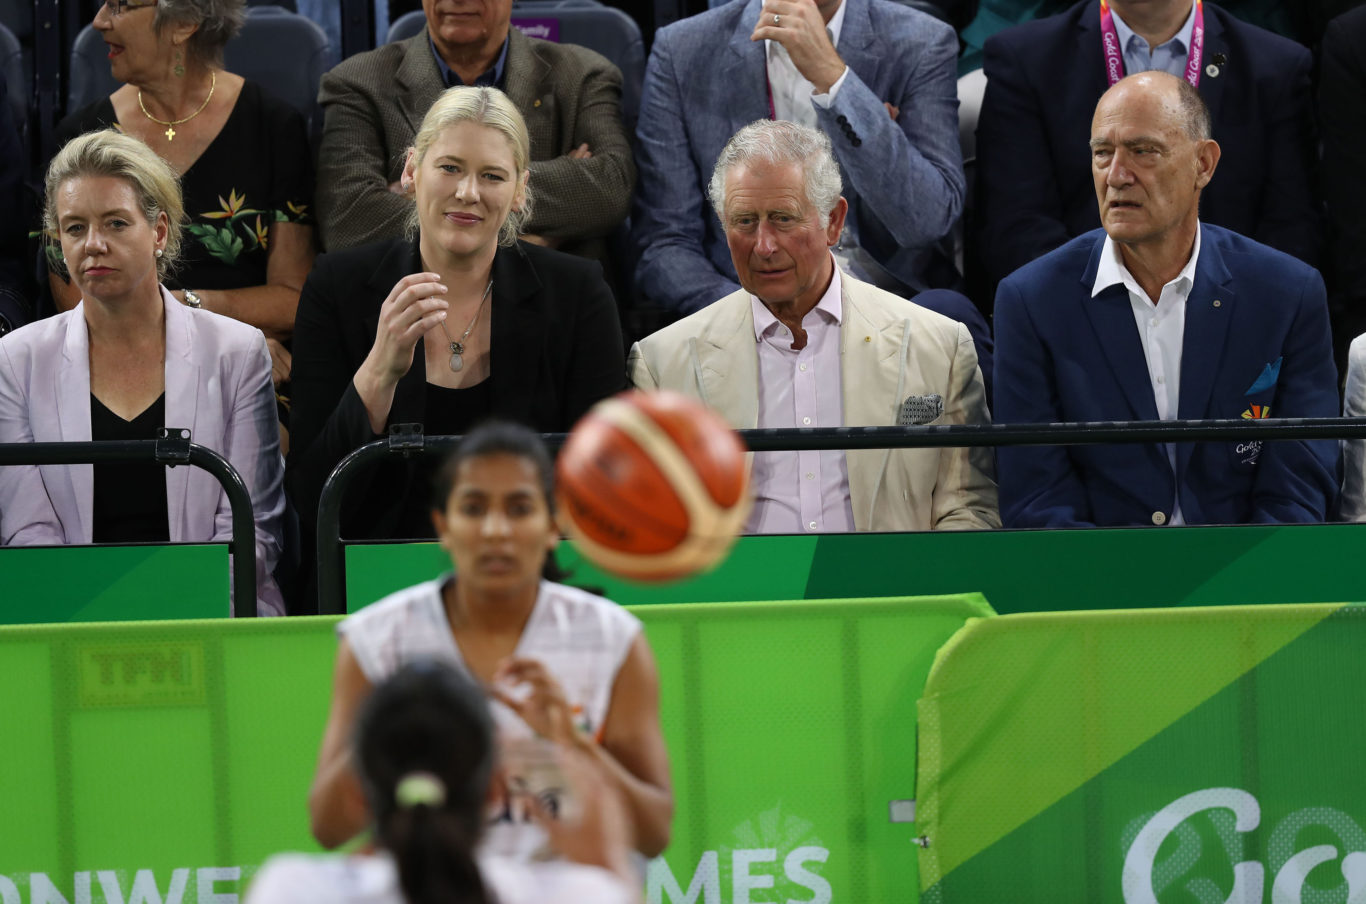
(171, 124)
(457, 361)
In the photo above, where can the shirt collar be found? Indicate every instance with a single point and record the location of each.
(830, 307)
(492, 77)
(1112, 269)
(1182, 38)
(832, 28)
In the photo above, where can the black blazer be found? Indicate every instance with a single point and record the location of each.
(556, 349)
(1034, 182)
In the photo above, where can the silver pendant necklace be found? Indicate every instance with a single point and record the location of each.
(457, 361)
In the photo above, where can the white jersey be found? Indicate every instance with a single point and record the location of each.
(580, 638)
(342, 879)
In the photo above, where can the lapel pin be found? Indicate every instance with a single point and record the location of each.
(1217, 302)
(867, 338)
(1212, 71)
(537, 101)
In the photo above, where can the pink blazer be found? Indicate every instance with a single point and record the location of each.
(217, 385)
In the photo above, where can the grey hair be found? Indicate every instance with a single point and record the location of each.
(218, 20)
(777, 142)
(1194, 111)
(487, 107)
(113, 154)
(1190, 106)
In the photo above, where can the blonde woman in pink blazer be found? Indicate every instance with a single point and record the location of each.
(127, 360)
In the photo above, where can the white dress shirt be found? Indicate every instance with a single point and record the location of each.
(805, 491)
(1161, 331)
(792, 94)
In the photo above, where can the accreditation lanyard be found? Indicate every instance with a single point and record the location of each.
(1114, 55)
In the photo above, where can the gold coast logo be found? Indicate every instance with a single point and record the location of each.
(1234, 812)
(1257, 412)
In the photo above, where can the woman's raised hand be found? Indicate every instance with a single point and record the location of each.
(415, 304)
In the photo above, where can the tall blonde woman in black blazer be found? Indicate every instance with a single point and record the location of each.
(456, 323)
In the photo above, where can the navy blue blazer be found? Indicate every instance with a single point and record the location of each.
(1256, 335)
(1035, 189)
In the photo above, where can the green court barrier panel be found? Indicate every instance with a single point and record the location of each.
(163, 762)
(113, 583)
(1195, 756)
(1019, 571)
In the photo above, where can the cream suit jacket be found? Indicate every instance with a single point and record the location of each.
(890, 349)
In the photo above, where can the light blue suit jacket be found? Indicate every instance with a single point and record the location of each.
(706, 79)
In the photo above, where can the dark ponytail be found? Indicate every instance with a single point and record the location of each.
(434, 855)
(424, 748)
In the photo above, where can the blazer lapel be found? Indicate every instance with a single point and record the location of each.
(519, 335)
(182, 407)
(1210, 310)
(1112, 318)
(744, 73)
(728, 362)
(72, 392)
(419, 80)
(872, 374)
(525, 77)
(410, 402)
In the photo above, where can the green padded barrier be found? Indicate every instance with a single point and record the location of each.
(160, 762)
(1019, 571)
(113, 583)
(1147, 757)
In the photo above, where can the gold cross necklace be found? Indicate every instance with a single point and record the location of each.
(170, 125)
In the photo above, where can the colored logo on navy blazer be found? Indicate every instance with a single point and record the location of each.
(1270, 374)
(1257, 412)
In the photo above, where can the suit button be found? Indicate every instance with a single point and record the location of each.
(855, 140)
(842, 119)
(1159, 518)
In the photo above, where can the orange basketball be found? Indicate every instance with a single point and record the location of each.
(652, 486)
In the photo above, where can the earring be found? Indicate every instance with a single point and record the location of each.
(179, 64)
(159, 252)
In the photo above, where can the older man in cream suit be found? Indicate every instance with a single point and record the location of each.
(806, 345)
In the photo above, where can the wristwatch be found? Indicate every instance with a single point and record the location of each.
(192, 299)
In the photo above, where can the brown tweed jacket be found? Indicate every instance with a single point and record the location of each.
(375, 101)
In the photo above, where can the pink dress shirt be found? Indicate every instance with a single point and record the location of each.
(805, 491)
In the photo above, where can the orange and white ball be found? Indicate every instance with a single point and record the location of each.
(653, 486)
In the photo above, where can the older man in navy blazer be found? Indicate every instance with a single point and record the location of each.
(884, 91)
(1156, 317)
(1043, 81)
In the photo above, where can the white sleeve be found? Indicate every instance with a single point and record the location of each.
(285, 879)
(553, 882)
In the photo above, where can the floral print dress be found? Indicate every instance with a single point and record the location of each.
(258, 171)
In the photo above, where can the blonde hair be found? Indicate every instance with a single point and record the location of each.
(111, 153)
(487, 107)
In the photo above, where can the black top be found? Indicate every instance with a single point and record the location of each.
(130, 497)
(452, 412)
(555, 349)
(257, 171)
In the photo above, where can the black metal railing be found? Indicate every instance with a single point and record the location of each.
(407, 439)
(172, 448)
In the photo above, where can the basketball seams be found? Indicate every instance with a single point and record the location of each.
(712, 525)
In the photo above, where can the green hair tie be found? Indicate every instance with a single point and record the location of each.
(420, 789)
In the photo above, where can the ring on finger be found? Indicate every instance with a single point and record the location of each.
(777, 18)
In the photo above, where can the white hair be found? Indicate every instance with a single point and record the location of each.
(777, 142)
